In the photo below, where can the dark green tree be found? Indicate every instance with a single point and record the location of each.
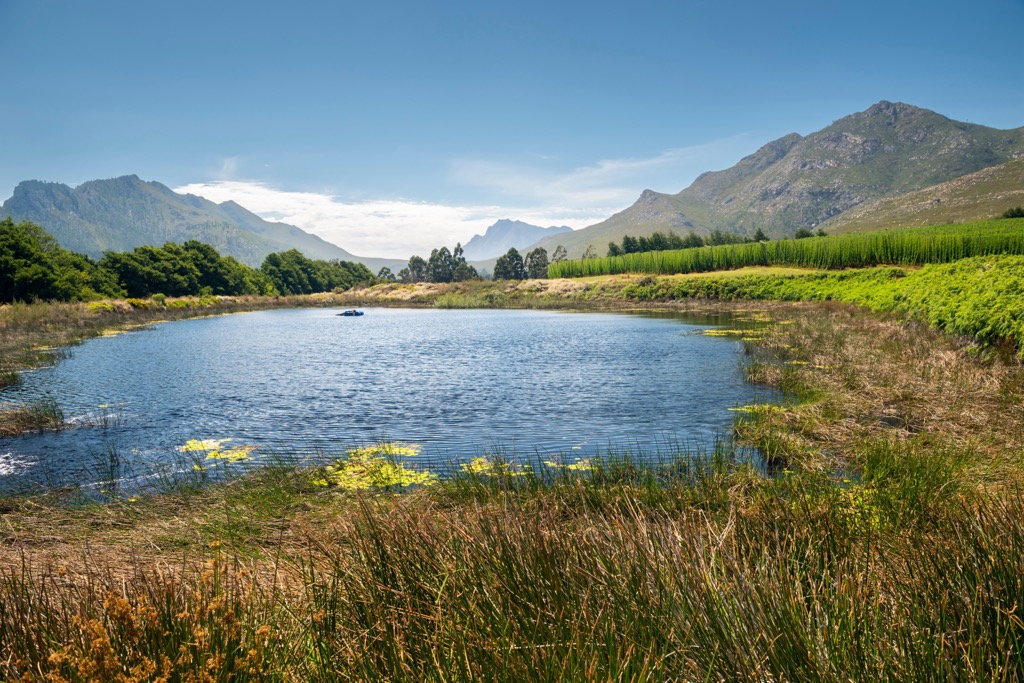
(385, 275)
(34, 266)
(291, 272)
(462, 270)
(510, 266)
(559, 255)
(759, 236)
(537, 263)
(416, 271)
(440, 266)
(148, 270)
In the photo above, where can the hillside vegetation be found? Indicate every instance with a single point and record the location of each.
(34, 267)
(970, 198)
(120, 214)
(797, 181)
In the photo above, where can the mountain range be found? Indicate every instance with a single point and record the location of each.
(818, 180)
(891, 165)
(120, 214)
(507, 234)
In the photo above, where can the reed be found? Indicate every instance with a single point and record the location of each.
(905, 247)
(567, 582)
(36, 416)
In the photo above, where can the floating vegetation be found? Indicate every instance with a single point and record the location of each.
(386, 449)
(374, 467)
(584, 465)
(200, 445)
(214, 450)
(231, 454)
(492, 467)
(724, 332)
(759, 409)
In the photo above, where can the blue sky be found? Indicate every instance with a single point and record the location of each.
(394, 126)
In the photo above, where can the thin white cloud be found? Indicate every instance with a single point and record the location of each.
(606, 183)
(398, 228)
(383, 228)
(228, 168)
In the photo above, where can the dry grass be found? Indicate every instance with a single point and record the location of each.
(865, 378)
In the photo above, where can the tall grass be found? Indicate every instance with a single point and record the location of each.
(587, 581)
(37, 416)
(908, 247)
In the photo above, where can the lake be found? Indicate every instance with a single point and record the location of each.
(306, 384)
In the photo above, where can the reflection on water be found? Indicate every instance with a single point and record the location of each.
(308, 384)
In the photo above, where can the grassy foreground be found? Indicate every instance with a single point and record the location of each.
(888, 544)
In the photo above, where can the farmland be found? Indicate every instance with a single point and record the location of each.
(909, 247)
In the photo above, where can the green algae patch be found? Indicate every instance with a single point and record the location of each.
(584, 465)
(202, 445)
(759, 409)
(375, 467)
(231, 454)
(492, 467)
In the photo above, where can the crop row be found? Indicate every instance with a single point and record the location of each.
(907, 247)
(980, 297)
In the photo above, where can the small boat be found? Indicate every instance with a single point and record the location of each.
(351, 312)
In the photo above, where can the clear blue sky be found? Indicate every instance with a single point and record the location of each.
(388, 124)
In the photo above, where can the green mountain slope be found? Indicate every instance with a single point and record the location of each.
(984, 194)
(803, 181)
(120, 214)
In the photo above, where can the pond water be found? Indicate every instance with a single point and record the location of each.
(307, 384)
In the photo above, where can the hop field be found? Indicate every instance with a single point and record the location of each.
(906, 247)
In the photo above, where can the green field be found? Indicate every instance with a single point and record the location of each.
(981, 297)
(907, 247)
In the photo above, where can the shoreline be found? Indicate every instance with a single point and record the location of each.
(901, 467)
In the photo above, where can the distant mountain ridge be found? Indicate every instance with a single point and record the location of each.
(803, 181)
(122, 213)
(506, 234)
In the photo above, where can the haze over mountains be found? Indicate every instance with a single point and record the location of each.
(506, 234)
(120, 214)
(891, 165)
(806, 181)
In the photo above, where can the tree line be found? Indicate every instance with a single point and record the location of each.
(33, 266)
(659, 241)
(451, 266)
